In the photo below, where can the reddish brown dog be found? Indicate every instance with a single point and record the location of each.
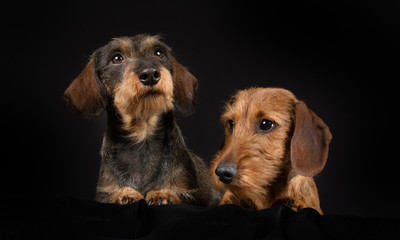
(274, 145)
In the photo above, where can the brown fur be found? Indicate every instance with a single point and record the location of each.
(144, 156)
(84, 94)
(140, 112)
(277, 166)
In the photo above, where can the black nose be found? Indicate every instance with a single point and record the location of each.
(226, 172)
(149, 76)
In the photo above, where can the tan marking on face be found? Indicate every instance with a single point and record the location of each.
(140, 106)
(150, 41)
(259, 157)
(124, 43)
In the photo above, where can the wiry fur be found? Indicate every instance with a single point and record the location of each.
(265, 174)
(144, 155)
(139, 107)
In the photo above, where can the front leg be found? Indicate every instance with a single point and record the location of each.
(295, 204)
(109, 190)
(126, 195)
(301, 193)
(162, 197)
(229, 198)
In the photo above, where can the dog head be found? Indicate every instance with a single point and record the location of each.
(267, 129)
(138, 75)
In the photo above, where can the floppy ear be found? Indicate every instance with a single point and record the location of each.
(310, 142)
(84, 95)
(185, 88)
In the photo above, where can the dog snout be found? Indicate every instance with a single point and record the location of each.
(226, 172)
(149, 76)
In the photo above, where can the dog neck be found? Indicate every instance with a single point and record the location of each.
(132, 162)
(278, 187)
(154, 128)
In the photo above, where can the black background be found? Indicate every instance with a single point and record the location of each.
(340, 57)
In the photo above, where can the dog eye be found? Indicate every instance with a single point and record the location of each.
(266, 126)
(230, 126)
(117, 59)
(159, 53)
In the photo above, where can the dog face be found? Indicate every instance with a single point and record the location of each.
(136, 75)
(266, 130)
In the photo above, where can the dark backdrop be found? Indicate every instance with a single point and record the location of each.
(341, 57)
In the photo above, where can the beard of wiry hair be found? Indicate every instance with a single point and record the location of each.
(257, 171)
(140, 106)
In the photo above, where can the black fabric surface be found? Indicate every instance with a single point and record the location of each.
(71, 218)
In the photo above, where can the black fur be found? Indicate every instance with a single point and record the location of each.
(161, 160)
(145, 166)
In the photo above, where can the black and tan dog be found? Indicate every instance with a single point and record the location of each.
(144, 156)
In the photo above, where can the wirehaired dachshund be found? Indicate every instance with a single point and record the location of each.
(138, 82)
(274, 145)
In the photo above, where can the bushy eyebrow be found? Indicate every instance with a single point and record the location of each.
(232, 100)
(260, 114)
(161, 46)
(227, 115)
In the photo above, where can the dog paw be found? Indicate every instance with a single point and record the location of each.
(162, 197)
(126, 195)
(229, 198)
(291, 203)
